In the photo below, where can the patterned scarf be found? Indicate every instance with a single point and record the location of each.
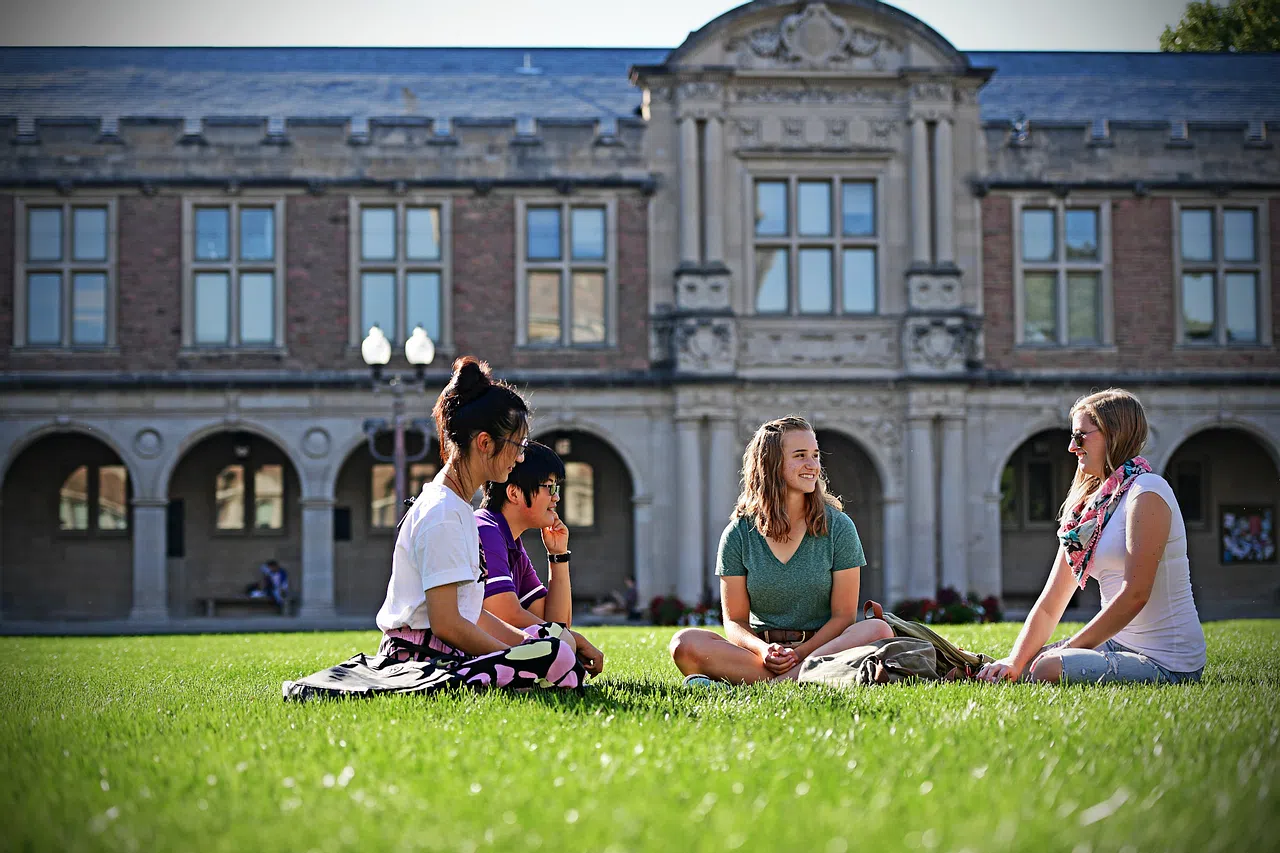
(1083, 528)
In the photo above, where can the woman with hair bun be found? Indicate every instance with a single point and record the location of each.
(435, 631)
(1121, 524)
(788, 563)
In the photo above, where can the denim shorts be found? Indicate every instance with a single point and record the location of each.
(1112, 663)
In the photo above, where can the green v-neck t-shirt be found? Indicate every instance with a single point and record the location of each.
(796, 594)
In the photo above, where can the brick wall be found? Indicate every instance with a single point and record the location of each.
(149, 282)
(1144, 297)
(484, 288)
(317, 279)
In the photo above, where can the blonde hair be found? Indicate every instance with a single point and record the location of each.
(1119, 417)
(763, 497)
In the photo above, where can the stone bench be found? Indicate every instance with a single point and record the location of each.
(212, 603)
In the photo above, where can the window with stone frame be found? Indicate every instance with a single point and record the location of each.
(567, 277)
(815, 245)
(95, 499)
(400, 268)
(249, 498)
(1223, 298)
(233, 286)
(65, 293)
(1063, 274)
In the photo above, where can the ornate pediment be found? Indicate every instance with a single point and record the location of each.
(814, 39)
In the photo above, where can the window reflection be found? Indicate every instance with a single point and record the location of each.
(73, 501)
(229, 498)
(577, 498)
(113, 500)
(268, 497)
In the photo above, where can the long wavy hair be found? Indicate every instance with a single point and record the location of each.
(1119, 417)
(764, 493)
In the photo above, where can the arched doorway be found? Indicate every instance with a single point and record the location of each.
(68, 532)
(852, 476)
(234, 503)
(1033, 485)
(364, 528)
(1229, 492)
(596, 506)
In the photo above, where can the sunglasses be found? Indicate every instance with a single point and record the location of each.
(1077, 437)
(553, 489)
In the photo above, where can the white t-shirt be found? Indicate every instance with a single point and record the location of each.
(1167, 629)
(438, 544)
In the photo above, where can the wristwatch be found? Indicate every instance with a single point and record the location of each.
(559, 558)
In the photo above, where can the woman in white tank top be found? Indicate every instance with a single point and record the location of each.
(1120, 524)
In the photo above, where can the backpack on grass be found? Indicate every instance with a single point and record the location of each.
(915, 652)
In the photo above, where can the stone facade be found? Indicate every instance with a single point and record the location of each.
(944, 423)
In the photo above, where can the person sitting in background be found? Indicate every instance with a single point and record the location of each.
(273, 584)
(513, 592)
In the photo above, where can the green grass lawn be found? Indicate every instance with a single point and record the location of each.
(183, 743)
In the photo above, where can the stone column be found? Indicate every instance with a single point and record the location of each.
(722, 491)
(714, 200)
(988, 574)
(647, 586)
(943, 197)
(955, 506)
(689, 179)
(920, 213)
(150, 578)
(690, 556)
(921, 574)
(317, 558)
(894, 550)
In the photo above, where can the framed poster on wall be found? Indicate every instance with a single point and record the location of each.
(1248, 534)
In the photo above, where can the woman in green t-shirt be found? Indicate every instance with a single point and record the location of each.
(788, 566)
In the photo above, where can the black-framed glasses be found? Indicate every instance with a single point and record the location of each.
(1077, 437)
(523, 444)
(553, 489)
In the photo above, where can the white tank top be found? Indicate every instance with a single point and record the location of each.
(1167, 629)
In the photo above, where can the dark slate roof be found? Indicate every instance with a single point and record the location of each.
(574, 83)
(319, 82)
(1205, 87)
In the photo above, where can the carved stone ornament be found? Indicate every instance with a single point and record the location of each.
(933, 293)
(700, 90)
(704, 346)
(938, 344)
(843, 347)
(316, 443)
(816, 95)
(748, 130)
(837, 131)
(792, 130)
(931, 92)
(148, 443)
(814, 38)
(702, 291)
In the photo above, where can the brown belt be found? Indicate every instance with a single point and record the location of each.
(783, 636)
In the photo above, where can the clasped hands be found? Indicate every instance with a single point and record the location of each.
(778, 658)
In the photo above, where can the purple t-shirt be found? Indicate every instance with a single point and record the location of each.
(508, 564)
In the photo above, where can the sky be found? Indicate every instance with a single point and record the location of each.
(968, 24)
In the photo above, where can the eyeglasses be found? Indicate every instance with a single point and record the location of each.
(1077, 437)
(523, 444)
(553, 489)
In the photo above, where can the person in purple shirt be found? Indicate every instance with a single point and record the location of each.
(513, 592)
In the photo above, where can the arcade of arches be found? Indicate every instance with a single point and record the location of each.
(235, 500)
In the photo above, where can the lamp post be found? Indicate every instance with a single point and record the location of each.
(376, 352)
